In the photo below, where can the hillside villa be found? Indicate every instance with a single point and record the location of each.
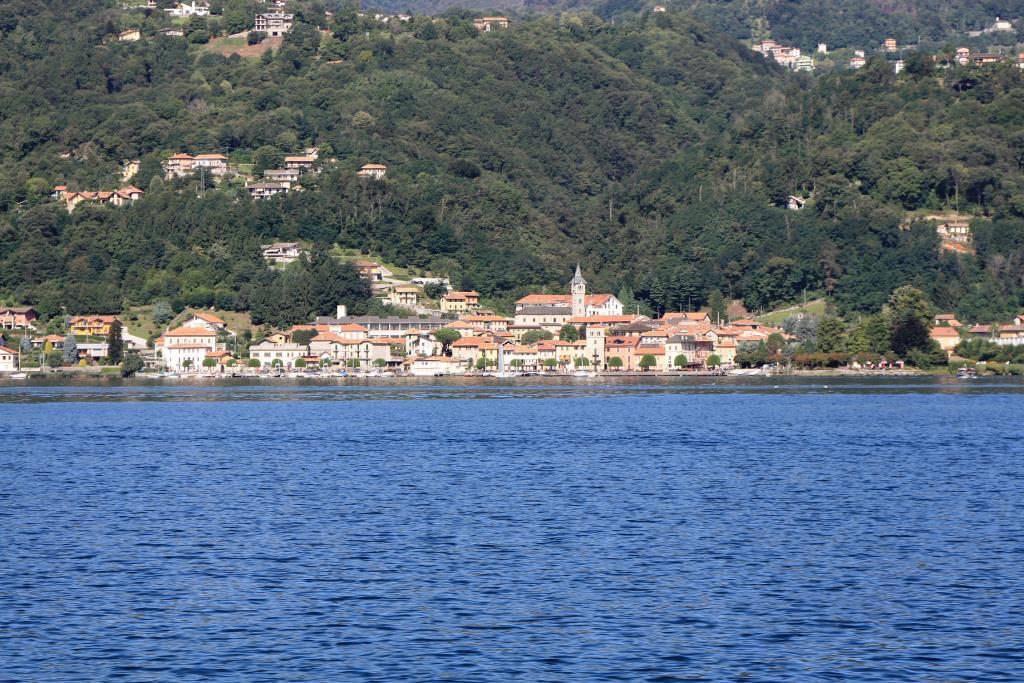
(374, 171)
(372, 270)
(17, 317)
(488, 24)
(274, 24)
(95, 325)
(282, 252)
(120, 197)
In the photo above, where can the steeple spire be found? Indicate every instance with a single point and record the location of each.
(578, 292)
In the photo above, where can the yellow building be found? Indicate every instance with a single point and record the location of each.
(460, 302)
(91, 324)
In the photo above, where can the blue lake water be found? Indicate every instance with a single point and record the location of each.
(699, 530)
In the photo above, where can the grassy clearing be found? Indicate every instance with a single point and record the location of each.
(143, 326)
(354, 254)
(814, 308)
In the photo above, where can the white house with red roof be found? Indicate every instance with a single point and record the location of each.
(185, 347)
(8, 359)
(179, 165)
(206, 321)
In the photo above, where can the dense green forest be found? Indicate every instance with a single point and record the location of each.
(839, 23)
(804, 23)
(656, 151)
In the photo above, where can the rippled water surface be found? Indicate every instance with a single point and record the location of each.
(544, 531)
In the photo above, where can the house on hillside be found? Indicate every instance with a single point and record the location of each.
(120, 197)
(947, 320)
(889, 45)
(302, 164)
(372, 270)
(488, 24)
(285, 176)
(216, 164)
(96, 325)
(266, 190)
(374, 171)
(274, 24)
(405, 296)
(171, 32)
(281, 252)
(17, 317)
(205, 321)
(192, 9)
(129, 36)
(178, 165)
(460, 302)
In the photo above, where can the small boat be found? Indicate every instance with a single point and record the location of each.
(582, 373)
(967, 373)
(168, 375)
(18, 375)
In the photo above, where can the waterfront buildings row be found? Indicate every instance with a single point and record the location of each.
(604, 337)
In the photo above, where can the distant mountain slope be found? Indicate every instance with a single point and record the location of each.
(656, 151)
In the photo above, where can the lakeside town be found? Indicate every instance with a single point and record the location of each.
(573, 333)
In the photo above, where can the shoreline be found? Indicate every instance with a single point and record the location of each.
(74, 377)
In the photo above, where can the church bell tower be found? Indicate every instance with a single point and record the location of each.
(578, 289)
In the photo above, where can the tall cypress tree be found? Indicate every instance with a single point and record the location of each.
(115, 346)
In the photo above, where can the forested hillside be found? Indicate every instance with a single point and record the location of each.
(657, 152)
(805, 23)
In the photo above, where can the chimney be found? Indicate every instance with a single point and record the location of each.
(342, 311)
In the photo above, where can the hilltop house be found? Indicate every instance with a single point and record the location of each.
(274, 24)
